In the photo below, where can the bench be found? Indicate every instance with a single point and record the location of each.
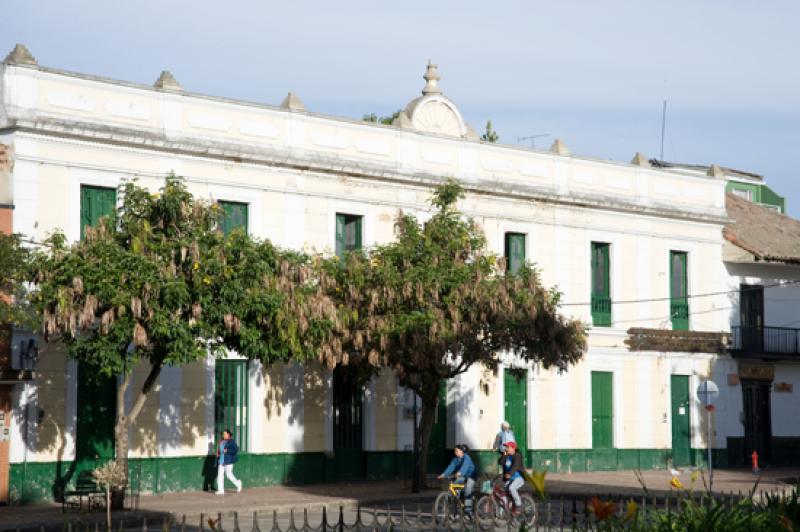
(86, 491)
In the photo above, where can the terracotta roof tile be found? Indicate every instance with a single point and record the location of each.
(767, 234)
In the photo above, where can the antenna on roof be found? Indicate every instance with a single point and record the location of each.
(663, 127)
(533, 138)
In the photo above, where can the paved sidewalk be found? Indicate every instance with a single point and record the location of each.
(380, 493)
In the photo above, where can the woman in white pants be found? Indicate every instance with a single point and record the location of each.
(226, 457)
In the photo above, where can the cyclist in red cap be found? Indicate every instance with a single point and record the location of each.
(513, 469)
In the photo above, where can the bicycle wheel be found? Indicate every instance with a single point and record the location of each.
(485, 508)
(528, 515)
(443, 506)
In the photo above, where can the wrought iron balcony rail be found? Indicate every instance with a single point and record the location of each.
(771, 341)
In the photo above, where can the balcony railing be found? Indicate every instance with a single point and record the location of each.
(769, 341)
(601, 311)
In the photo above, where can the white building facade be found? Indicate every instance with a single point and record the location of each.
(628, 245)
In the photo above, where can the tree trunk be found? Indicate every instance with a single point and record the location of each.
(428, 415)
(123, 424)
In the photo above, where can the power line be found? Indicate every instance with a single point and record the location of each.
(689, 296)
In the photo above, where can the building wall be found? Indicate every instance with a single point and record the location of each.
(297, 170)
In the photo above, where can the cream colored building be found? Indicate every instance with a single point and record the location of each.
(632, 241)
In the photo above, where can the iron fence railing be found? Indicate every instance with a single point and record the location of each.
(765, 340)
(559, 513)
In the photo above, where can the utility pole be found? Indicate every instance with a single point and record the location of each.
(533, 138)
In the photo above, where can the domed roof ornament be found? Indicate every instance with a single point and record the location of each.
(432, 78)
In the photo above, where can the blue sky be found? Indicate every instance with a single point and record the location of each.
(592, 73)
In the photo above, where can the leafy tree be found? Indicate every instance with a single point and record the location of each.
(386, 120)
(435, 302)
(162, 285)
(14, 308)
(490, 135)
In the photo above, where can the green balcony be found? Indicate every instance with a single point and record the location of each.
(601, 310)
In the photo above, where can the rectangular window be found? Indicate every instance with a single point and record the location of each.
(96, 202)
(348, 233)
(231, 399)
(514, 251)
(678, 291)
(602, 410)
(742, 193)
(234, 216)
(601, 286)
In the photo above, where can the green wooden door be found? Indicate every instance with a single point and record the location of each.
(438, 456)
(348, 426)
(231, 401)
(97, 394)
(601, 286)
(514, 251)
(94, 442)
(515, 406)
(681, 431)
(602, 410)
(234, 216)
(679, 300)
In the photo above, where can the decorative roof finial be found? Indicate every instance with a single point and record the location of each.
(293, 102)
(166, 81)
(20, 56)
(432, 78)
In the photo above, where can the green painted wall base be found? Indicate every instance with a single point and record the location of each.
(36, 481)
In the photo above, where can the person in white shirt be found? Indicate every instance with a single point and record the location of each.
(503, 437)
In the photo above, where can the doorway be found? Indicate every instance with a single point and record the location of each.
(515, 390)
(757, 419)
(751, 317)
(681, 428)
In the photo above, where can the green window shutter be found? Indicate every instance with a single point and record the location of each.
(514, 251)
(601, 286)
(357, 229)
(602, 410)
(349, 233)
(678, 290)
(340, 225)
(231, 400)
(234, 216)
(96, 202)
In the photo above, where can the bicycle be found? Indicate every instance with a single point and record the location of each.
(449, 503)
(498, 505)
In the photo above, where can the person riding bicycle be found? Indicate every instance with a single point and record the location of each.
(462, 469)
(513, 470)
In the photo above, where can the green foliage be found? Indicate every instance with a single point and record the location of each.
(165, 285)
(490, 135)
(386, 120)
(14, 307)
(689, 512)
(434, 302)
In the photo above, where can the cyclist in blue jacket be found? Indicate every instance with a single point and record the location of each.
(462, 469)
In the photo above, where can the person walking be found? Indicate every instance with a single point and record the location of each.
(226, 457)
(503, 437)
